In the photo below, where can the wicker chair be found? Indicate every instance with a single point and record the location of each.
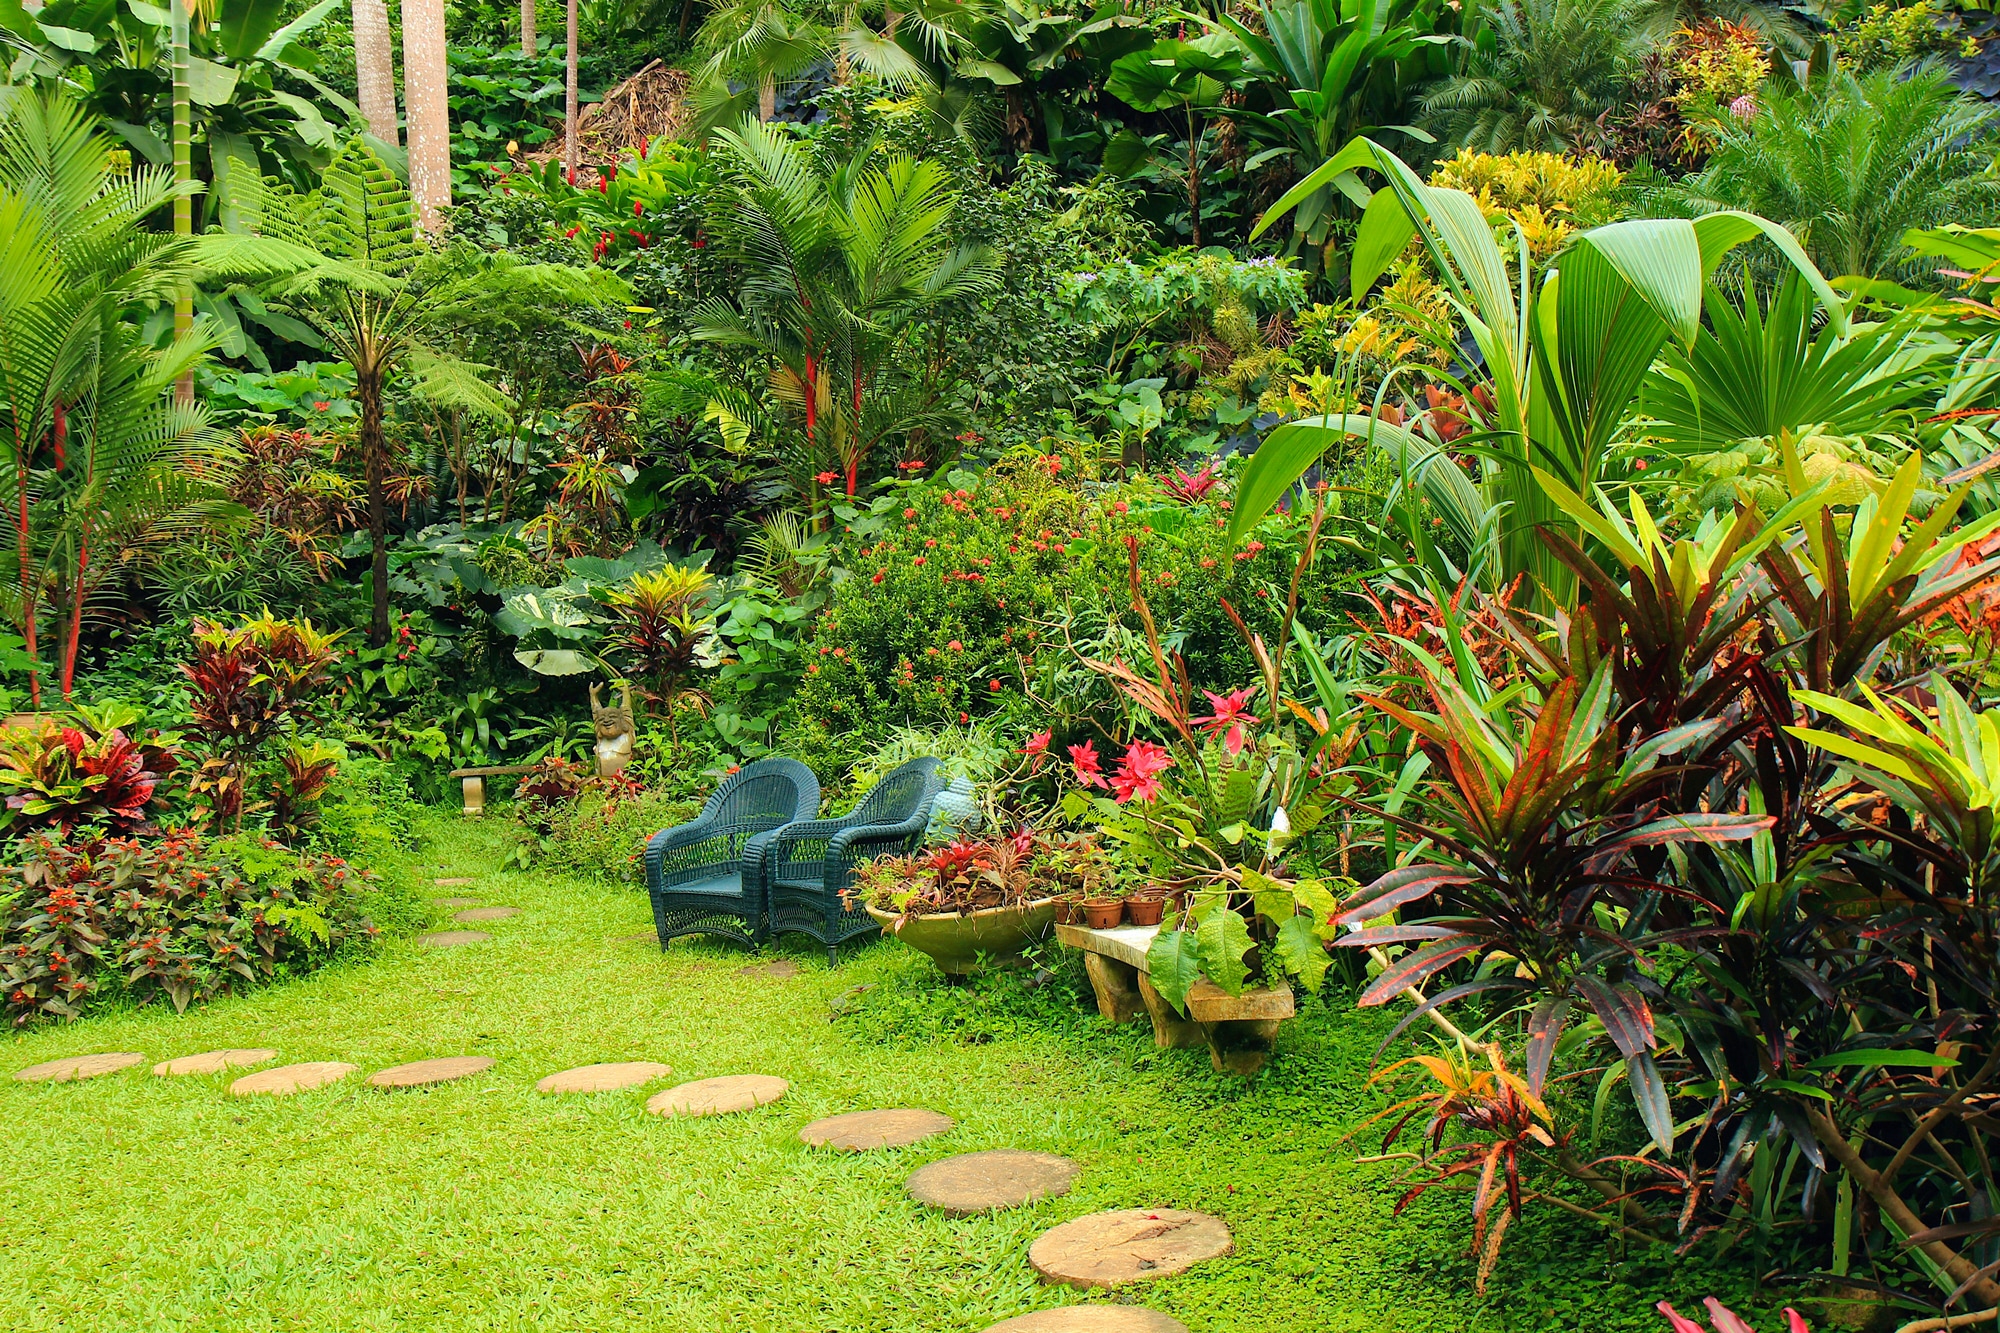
(805, 866)
(704, 877)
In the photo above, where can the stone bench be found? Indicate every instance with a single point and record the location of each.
(472, 782)
(1237, 1029)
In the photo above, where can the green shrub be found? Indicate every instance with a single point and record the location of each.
(603, 837)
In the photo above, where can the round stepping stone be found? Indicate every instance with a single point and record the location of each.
(453, 882)
(486, 914)
(859, 1131)
(287, 1079)
(719, 1096)
(456, 902)
(604, 1078)
(80, 1066)
(1127, 1245)
(213, 1062)
(978, 1182)
(445, 939)
(430, 1071)
(1093, 1319)
(781, 969)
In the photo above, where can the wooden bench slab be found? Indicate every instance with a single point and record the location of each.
(1237, 1029)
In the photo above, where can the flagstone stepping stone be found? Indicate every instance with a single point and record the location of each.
(604, 1078)
(213, 1062)
(456, 902)
(1093, 1319)
(719, 1096)
(859, 1131)
(445, 939)
(1127, 1245)
(287, 1079)
(486, 914)
(978, 1182)
(79, 1066)
(781, 969)
(424, 1072)
(453, 882)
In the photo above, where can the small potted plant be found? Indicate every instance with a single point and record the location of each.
(1106, 910)
(1148, 905)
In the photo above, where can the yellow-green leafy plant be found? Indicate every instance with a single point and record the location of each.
(1888, 35)
(1720, 61)
(1546, 194)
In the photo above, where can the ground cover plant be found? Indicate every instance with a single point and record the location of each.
(1480, 520)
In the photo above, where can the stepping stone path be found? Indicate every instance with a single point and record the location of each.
(1093, 1319)
(486, 914)
(719, 1096)
(604, 1078)
(781, 969)
(425, 1072)
(456, 902)
(453, 882)
(213, 1062)
(79, 1067)
(445, 939)
(859, 1131)
(287, 1079)
(979, 1182)
(1127, 1245)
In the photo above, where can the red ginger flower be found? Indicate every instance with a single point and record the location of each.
(1138, 775)
(1231, 712)
(1084, 760)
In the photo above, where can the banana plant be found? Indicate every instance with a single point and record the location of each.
(1190, 78)
(1562, 354)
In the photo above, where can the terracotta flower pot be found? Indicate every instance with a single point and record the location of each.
(1145, 911)
(1103, 913)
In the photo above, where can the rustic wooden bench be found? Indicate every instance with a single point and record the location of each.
(1237, 1029)
(472, 783)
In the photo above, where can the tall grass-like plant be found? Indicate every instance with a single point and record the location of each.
(1544, 72)
(1850, 162)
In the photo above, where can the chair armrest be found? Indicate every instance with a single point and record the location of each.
(851, 846)
(681, 837)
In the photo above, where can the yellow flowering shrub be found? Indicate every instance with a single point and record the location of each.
(1547, 194)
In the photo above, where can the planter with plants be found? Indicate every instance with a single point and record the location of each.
(971, 903)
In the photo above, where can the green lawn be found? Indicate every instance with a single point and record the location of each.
(142, 1203)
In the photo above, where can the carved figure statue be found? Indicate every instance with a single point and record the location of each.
(615, 733)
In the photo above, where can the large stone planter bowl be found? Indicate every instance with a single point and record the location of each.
(955, 941)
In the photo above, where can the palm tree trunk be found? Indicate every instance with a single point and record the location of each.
(569, 97)
(767, 98)
(424, 75)
(527, 27)
(375, 69)
(368, 387)
(183, 178)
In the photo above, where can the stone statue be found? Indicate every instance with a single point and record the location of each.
(615, 733)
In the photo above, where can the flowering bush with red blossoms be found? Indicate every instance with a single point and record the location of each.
(955, 589)
(178, 918)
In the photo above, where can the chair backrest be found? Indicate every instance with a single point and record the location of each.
(765, 794)
(900, 794)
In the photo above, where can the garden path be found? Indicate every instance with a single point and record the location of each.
(482, 1203)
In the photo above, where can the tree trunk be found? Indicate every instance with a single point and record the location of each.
(767, 98)
(528, 27)
(375, 69)
(569, 96)
(424, 75)
(687, 12)
(183, 179)
(374, 450)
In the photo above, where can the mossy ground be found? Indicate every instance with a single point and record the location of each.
(142, 1203)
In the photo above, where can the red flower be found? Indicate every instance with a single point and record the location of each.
(1231, 712)
(571, 232)
(912, 465)
(877, 578)
(638, 208)
(1084, 760)
(964, 718)
(1038, 744)
(993, 685)
(918, 561)
(1138, 772)
(826, 478)
(956, 646)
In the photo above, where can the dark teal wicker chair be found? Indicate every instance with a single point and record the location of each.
(806, 866)
(705, 878)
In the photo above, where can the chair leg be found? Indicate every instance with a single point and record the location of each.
(833, 955)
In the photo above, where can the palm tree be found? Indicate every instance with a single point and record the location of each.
(1851, 162)
(424, 77)
(387, 303)
(101, 455)
(528, 27)
(375, 69)
(1552, 68)
(837, 267)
